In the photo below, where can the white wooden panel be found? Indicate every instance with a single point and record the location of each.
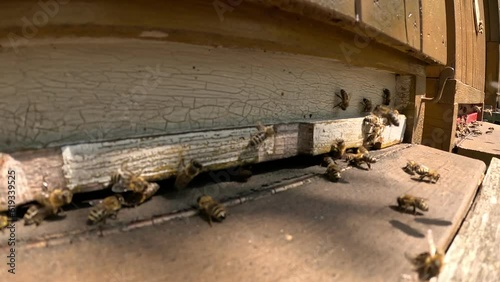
(63, 92)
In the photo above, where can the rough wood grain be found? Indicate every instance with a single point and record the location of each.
(434, 34)
(492, 23)
(474, 254)
(321, 231)
(479, 50)
(413, 24)
(111, 89)
(387, 17)
(491, 87)
(88, 167)
(482, 147)
(457, 91)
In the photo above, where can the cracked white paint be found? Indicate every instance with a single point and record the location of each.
(86, 91)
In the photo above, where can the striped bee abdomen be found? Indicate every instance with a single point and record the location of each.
(258, 139)
(217, 212)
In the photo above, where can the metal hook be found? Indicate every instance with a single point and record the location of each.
(447, 73)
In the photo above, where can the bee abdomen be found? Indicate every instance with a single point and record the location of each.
(96, 215)
(218, 212)
(258, 138)
(368, 158)
(393, 119)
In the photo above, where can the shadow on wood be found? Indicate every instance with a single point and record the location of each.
(405, 228)
(433, 221)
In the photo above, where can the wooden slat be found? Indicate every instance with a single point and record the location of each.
(468, 28)
(93, 90)
(457, 91)
(482, 147)
(321, 231)
(434, 40)
(413, 24)
(479, 52)
(88, 167)
(475, 252)
(386, 17)
(492, 20)
(439, 125)
(492, 73)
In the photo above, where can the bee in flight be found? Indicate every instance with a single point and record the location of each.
(4, 221)
(386, 97)
(428, 264)
(489, 111)
(186, 173)
(103, 209)
(392, 116)
(367, 105)
(211, 209)
(133, 199)
(36, 214)
(54, 198)
(263, 132)
(344, 100)
(406, 201)
(477, 109)
(332, 170)
(362, 156)
(125, 180)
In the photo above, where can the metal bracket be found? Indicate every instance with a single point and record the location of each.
(447, 73)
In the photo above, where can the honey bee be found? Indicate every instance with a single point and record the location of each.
(106, 208)
(477, 109)
(489, 111)
(344, 100)
(392, 116)
(212, 209)
(362, 156)
(338, 148)
(386, 97)
(431, 174)
(491, 128)
(186, 173)
(406, 201)
(367, 105)
(4, 221)
(125, 180)
(410, 167)
(36, 214)
(134, 199)
(54, 198)
(263, 133)
(489, 131)
(332, 170)
(428, 264)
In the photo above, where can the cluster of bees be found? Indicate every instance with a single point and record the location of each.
(366, 103)
(465, 129)
(131, 190)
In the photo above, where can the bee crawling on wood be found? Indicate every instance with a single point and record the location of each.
(367, 105)
(263, 132)
(338, 148)
(490, 130)
(125, 180)
(211, 209)
(406, 201)
(386, 97)
(392, 116)
(362, 156)
(54, 198)
(332, 170)
(412, 167)
(428, 264)
(36, 214)
(344, 100)
(186, 173)
(105, 208)
(4, 221)
(133, 199)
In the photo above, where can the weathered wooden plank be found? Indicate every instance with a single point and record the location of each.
(469, 29)
(88, 167)
(457, 91)
(321, 231)
(474, 254)
(125, 88)
(482, 147)
(387, 17)
(413, 24)
(434, 38)
(491, 87)
(492, 23)
(479, 51)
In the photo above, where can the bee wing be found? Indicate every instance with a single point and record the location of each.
(260, 127)
(94, 202)
(119, 188)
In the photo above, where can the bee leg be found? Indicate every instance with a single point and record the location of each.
(414, 209)
(210, 221)
(369, 166)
